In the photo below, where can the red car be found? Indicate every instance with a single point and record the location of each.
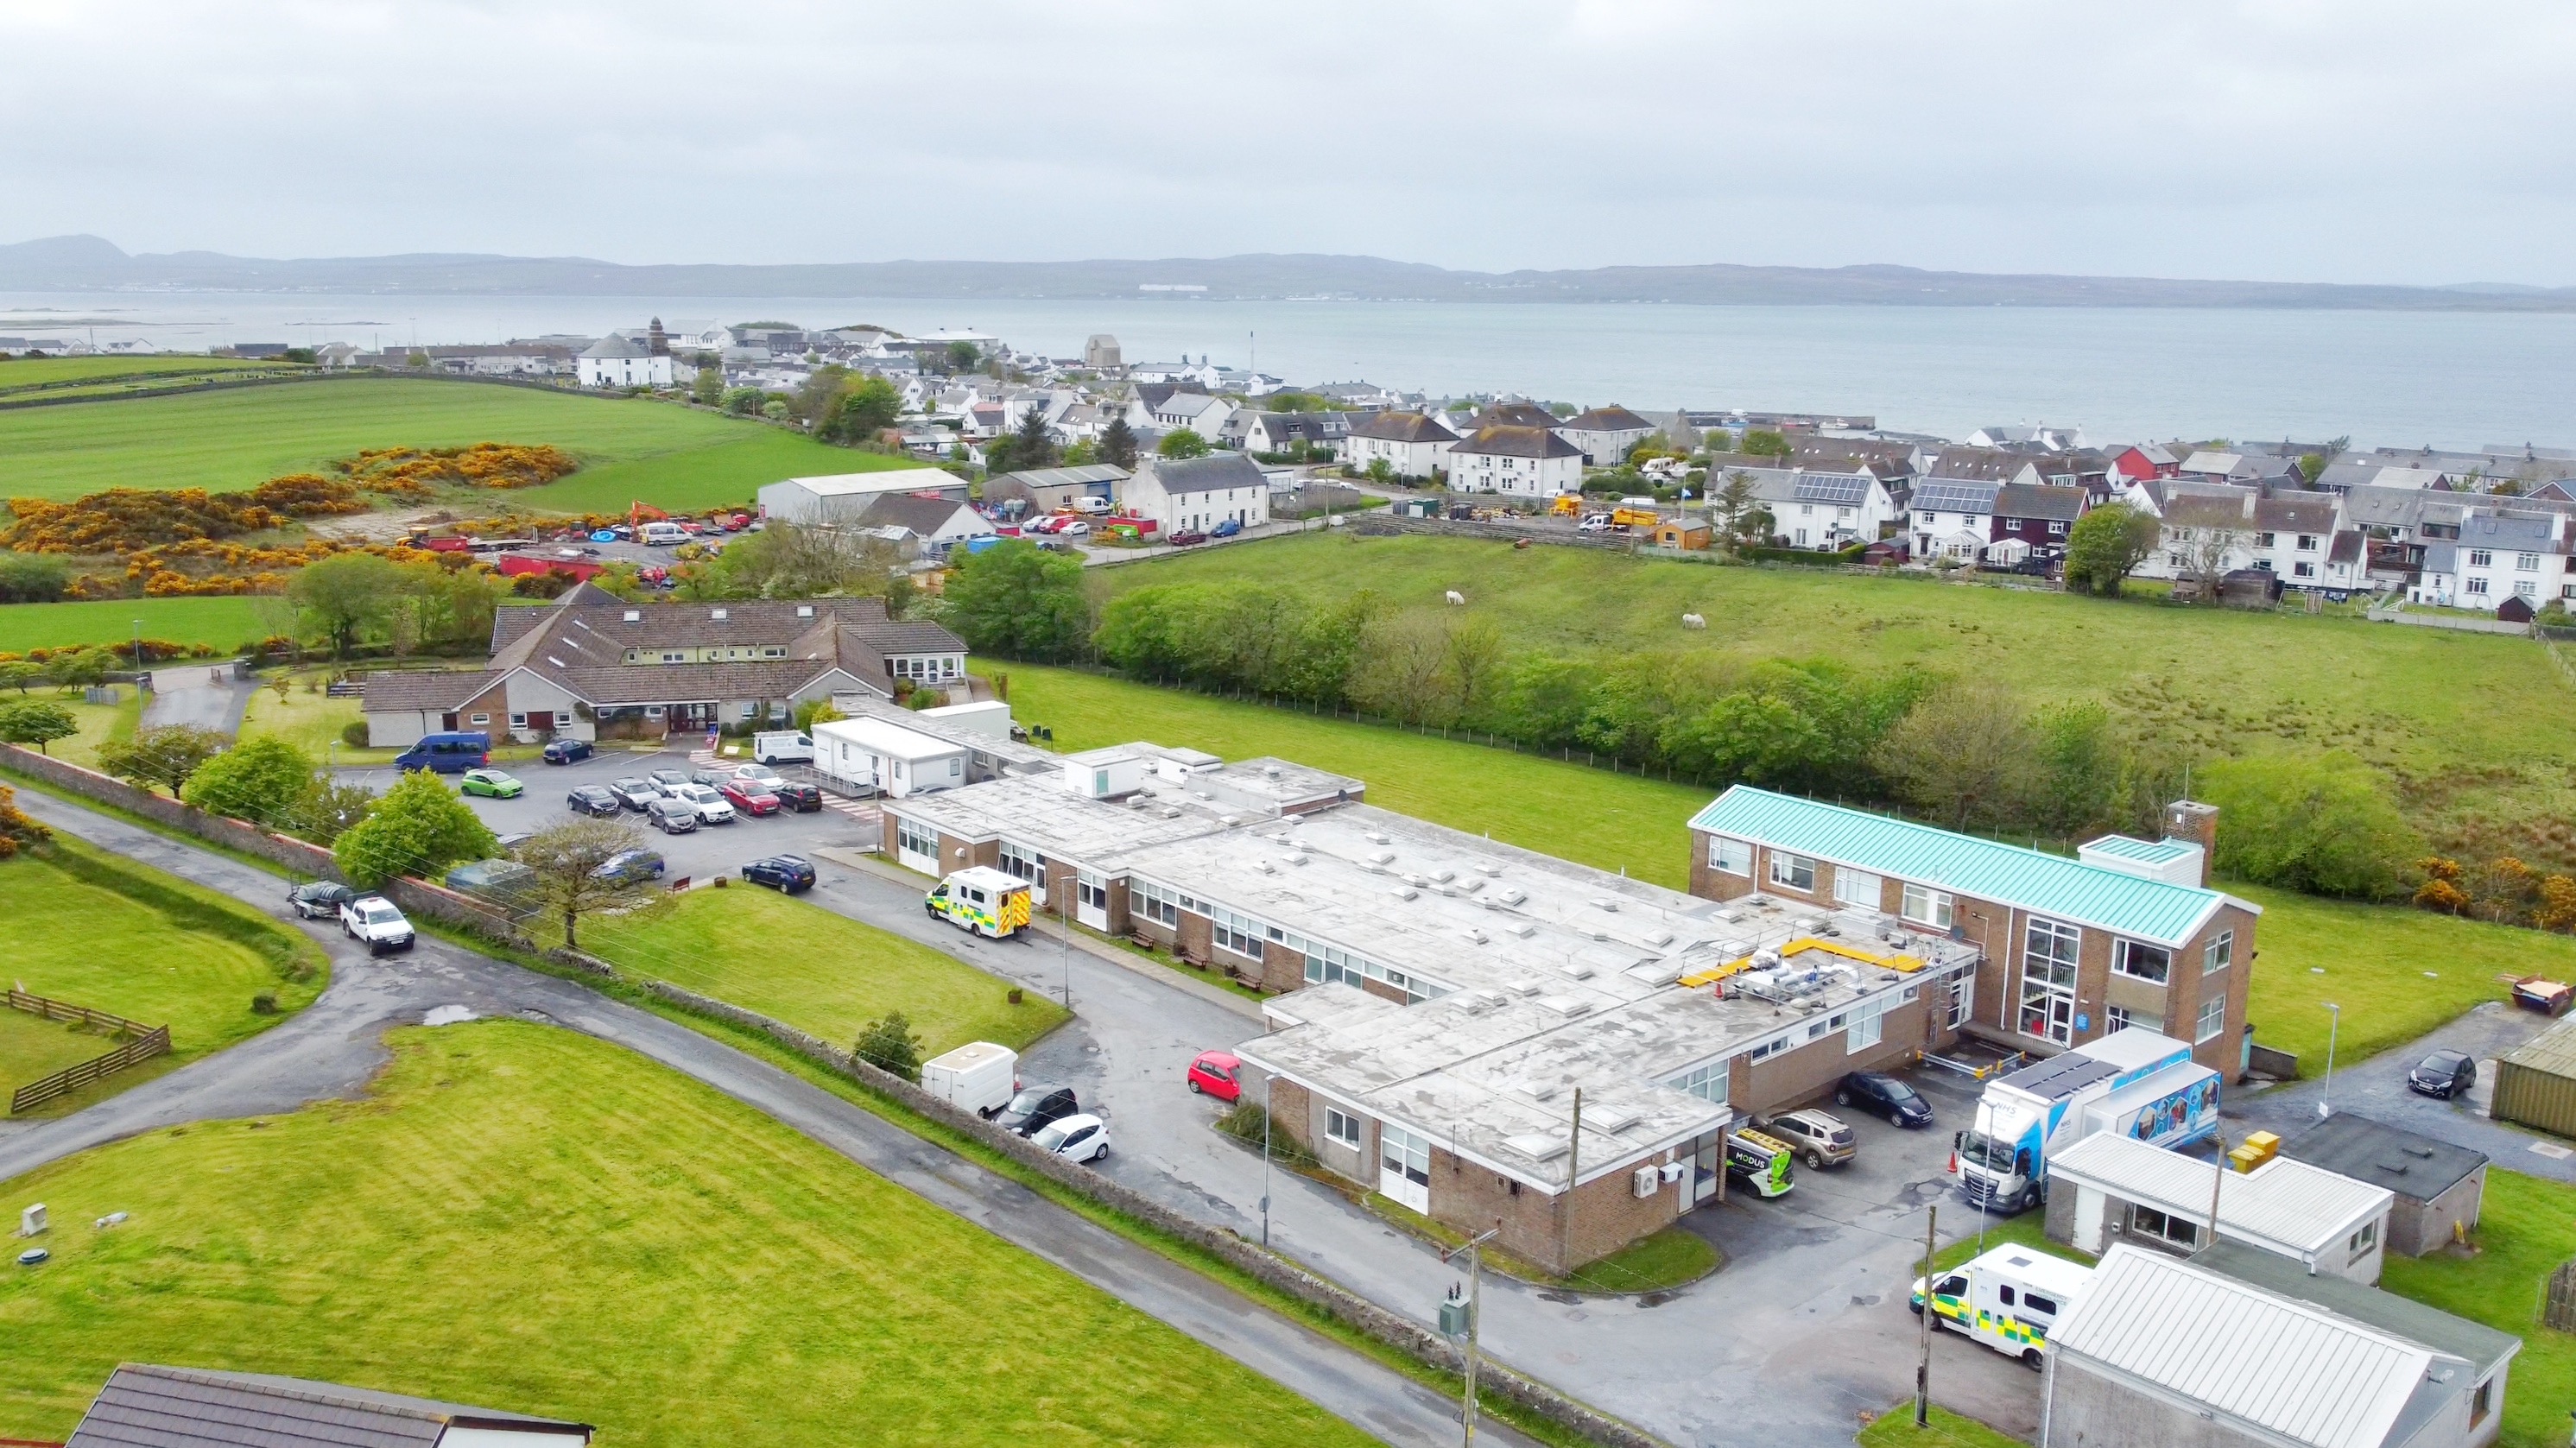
(1186, 537)
(1214, 1073)
(748, 797)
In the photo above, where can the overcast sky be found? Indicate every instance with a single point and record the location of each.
(2341, 140)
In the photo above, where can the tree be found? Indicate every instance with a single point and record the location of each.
(165, 755)
(744, 401)
(2318, 823)
(816, 711)
(1764, 442)
(34, 721)
(797, 560)
(418, 828)
(963, 356)
(707, 388)
(1181, 442)
(821, 393)
(1962, 755)
(1018, 600)
(1737, 509)
(569, 883)
(869, 407)
(1118, 443)
(327, 810)
(2309, 466)
(890, 1046)
(2107, 544)
(346, 594)
(2206, 552)
(1032, 446)
(260, 779)
(32, 578)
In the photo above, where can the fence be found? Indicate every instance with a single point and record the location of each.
(148, 1042)
(2559, 1311)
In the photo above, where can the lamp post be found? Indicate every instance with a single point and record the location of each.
(2325, 1101)
(1265, 1158)
(138, 646)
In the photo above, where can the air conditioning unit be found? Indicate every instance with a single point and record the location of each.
(1644, 1180)
(1674, 1171)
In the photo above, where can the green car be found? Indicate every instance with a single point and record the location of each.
(490, 781)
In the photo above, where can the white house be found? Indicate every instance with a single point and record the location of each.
(1951, 517)
(2501, 554)
(617, 363)
(1814, 509)
(1605, 434)
(1196, 411)
(1414, 444)
(1196, 494)
(1528, 462)
(938, 523)
(886, 757)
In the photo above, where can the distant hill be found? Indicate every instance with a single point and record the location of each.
(86, 263)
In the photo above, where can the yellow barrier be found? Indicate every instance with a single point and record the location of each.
(1900, 963)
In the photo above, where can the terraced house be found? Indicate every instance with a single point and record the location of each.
(593, 666)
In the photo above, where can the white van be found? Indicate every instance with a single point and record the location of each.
(978, 1076)
(785, 747)
(2007, 1299)
(1088, 503)
(662, 535)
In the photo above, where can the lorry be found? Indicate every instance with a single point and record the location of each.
(2007, 1299)
(2133, 1081)
(981, 900)
(1624, 516)
(978, 1076)
(1566, 505)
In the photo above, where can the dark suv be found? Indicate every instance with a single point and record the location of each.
(786, 874)
(1035, 1106)
(802, 798)
(1878, 1092)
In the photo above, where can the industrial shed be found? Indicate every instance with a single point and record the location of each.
(2535, 1083)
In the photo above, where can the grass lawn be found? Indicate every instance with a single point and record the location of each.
(98, 930)
(666, 454)
(817, 970)
(2030, 1229)
(1895, 1429)
(99, 723)
(533, 1219)
(2526, 1226)
(223, 621)
(28, 372)
(309, 720)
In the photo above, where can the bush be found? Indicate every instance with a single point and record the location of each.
(2320, 825)
(890, 1046)
(264, 1003)
(354, 733)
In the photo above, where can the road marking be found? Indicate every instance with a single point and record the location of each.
(2552, 1150)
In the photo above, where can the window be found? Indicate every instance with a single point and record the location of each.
(2303, 570)
(2055, 529)
(2213, 1019)
(1767, 1049)
(913, 839)
(1708, 1083)
(750, 711)
(1238, 933)
(2526, 562)
(2048, 981)
(2307, 542)
(1340, 1126)
(2482, 1402)
(2480, 558)
(1795, 872)
(2477, 586)
(1856, 888)
(1404, 1154)
(2359, 1244)
(2139, 961)
(1733, 857)
(2034, 1305)
(2526, 588)
(1024, 863)
(1963, 999)
(1926, 906)
(518, 721)
(480, 719)
(2262, 540)
(1863, 1032)
(1093, 892)
(2163, 1226)
(674, 656)
(1155, 902)
(2121, 1017)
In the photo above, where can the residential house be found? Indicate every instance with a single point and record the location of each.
(1892, 462)
(2298, 536)
(1951, 517)
(937, 523)
(2027, 437)
(614, 362)
(1514, 414)
(1414, 444)
(2211, 465)
(2436, 1187)
(1604, 434)
(2502, 554)
(2139, 461)
(1363, 395)
(1517, 461)
(2111, 1187)
(1196, 494)
(1277, 432)
(2038, 517)
(147, 1406)
(1984, 465)
(839, 498)
(1196, 411)
(1816, 508)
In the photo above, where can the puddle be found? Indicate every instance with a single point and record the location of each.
(447, 1016)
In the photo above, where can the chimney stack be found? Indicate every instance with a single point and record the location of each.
(2194, 824)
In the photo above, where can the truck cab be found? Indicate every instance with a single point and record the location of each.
(2133, 1081)
(2007, 1299)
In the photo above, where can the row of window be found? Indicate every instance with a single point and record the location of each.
(913, 839)
(1919, 904)
(1021, 862)
(2522, 587)
(1244, 936)
(932, 667)
(2522, 562)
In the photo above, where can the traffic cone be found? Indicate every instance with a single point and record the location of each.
(1954, 1161)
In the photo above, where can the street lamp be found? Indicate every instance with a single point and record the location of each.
(1265, 1158)
(138, 646)
(2325, 1101)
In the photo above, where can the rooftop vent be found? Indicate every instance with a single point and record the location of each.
(717, 614)
(1404, 892)
(1604, 902)
(1294, 857)
(1377, 837)
(1490, 868)
(1416, 881)
(1491, 997)
(1381, 857)
(1521, 928)
(1540, 1090)
(1731, 917)
(1444, 876)
(1597, 933)
(1567, 1005)
(804, 610)
(1659, 938)
(1476, 935)
(1270, 771)
(1537, 1145)
(1170, 813)
(1579, 971)
(1265, 867)
(1512, 896)
(634, 615)
(1616, 1118)
(1522, 987)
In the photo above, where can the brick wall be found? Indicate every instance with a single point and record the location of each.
(1282, 969)
(1603, 1216)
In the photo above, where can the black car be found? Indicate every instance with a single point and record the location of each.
(2444, 1074)
(802, 798)
(630, 867)
(635, 793)
(786, 874)
(1035, 1106)
(565, 751)
(594, 799)
(1877, 1091)
(672, 816)
(320, 899)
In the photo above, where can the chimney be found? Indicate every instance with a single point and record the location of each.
(2194, 824)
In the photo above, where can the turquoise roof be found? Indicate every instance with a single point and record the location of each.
(2007, 874)
(2153, 852)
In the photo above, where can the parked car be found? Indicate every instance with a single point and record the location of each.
(667, 780)
(672, 816)
(1879, 1092)
(631, 867)
(761, 775)
(784, 746)
(490, 782)
(635, 794)
(1035, 1106)
(1819, 1138)
(1075, 1138)
(565, 751)
(711, 806)
(711, 778)
(594, 799)
(748, 797)
(1225, 529)
(785, 874)
(1186, 537)
(319, 899)
(1071, 528)
(802, 798)
(2444, 1074)
(373, 921)
(1214, 1073)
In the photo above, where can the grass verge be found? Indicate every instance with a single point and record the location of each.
(2030, 1229)
(2526, 1227)
(221, 622)
(1895, 1429)
(1658, 1262)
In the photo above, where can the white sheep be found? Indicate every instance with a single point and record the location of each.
(1457, 598)
(1692, 620)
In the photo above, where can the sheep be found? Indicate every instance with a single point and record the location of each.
(1692, 620)
(1457, 599)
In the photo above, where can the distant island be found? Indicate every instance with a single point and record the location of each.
(90, 263)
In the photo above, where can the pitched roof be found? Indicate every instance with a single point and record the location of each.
(1508, 440)
(2021, 500)
(1607, 419)
(2475, 1343)
(1065, 477)
(2296, 512)
(1202, 475)
(144, 1406)
(399, 690)
(903, 636)
(924, 516)
(2008, 874)
(1404, 427)
(1954, 495)
(2368, 1151)
(1515, 414)
(1979, 464)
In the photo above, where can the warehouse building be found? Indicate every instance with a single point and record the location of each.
(840, 499)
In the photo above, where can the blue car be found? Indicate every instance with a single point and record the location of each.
(1226, 529)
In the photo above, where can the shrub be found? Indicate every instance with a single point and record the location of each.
(264, 1003)
(354, 733)
(890, 1046)
(2319, 824)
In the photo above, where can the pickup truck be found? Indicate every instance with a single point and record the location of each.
(373, 921)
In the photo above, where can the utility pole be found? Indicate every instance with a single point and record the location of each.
(1265, 1157)
(1475, 1300)
(1573, 1175)
(2216, 1179)
(1068, 940)
(1923, 1366)
(2334, 1022)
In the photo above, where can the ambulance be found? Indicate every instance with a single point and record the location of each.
(2007, 1299)
(981, 901)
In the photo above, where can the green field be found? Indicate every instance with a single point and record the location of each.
(630, 449)
(2374, 956)
(100, 931)
(527, 1218)
(2473, 730)
(23, 373)
(220, 621)
(817, 970)
(2526, 1227)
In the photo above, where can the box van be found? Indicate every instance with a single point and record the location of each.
(448, 753)
(662, 535)
(2007, 1299)
(1089, 504)
(785, 747)
(978, 1076)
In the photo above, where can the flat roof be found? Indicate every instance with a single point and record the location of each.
(2284, 1205)
(884, 736)
(2369, 1151)
(2150, 852)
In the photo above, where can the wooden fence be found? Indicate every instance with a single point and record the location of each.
(2558, 1309)
(147, 1042)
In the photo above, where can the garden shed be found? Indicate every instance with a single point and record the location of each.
(1675, 533)
(2535, 1083)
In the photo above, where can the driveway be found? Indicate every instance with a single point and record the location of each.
(331, 1047)
(206, 696)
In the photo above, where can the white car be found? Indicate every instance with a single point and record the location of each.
(1075, 1138)
(711, 806)
(761, 775)
(372, 919)
(1071, 528)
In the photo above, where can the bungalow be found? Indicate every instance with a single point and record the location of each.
(614, 362)
(1414, 444)
(1529, 462)
(1605, 434)
(1196, 494)
(938, 523)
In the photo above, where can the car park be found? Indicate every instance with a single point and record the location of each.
(594, 799)
(711, 806)
(801, 798)
(1878, 1092)
(672, 816)
(1035, 1106)
(2444, 1074)
(491, 783)
(1217, 1074)
(667, 780)
(635, 793)
(1819, 1138)
(565, 751)
(1075, 1138)
(785, 874)
(319, 899)
(1186, 537)
(711, 778)
(631, 867)
(748, 797)
(373, 921)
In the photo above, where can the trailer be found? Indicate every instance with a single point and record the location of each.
(978, 1076)
(2133, 1081)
